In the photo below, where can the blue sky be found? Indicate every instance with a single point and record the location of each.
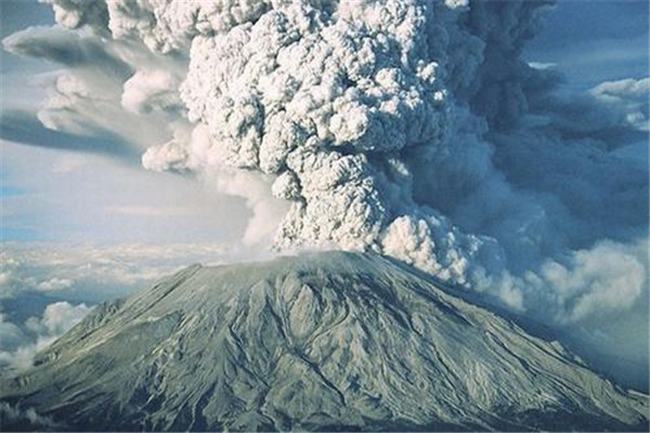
(594, 41)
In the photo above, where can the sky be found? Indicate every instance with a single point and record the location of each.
(109, 179)
(590, 47)
(50, 195)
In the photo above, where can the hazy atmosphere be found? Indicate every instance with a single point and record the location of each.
(499, 147)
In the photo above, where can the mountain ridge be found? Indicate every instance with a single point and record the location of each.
(326, 341)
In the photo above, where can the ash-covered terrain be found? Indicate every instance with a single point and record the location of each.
(327, 341)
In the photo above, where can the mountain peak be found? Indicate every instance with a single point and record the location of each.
(323, 341)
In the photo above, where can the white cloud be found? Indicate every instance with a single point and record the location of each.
(55, 284)
(609, 278)
(59, 317)
(11, 336)
(629, 96)
(542, 66)
(38, 333)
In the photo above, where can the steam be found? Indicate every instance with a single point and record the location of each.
(410, 128)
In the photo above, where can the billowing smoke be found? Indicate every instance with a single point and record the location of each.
(411, 128)
(339, 102)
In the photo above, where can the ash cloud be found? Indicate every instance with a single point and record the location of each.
(409, 128)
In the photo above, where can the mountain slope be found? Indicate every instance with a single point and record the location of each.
(330, 341)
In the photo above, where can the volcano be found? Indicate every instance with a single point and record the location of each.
(324, 341)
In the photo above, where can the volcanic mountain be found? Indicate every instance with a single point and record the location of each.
(327, 341)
